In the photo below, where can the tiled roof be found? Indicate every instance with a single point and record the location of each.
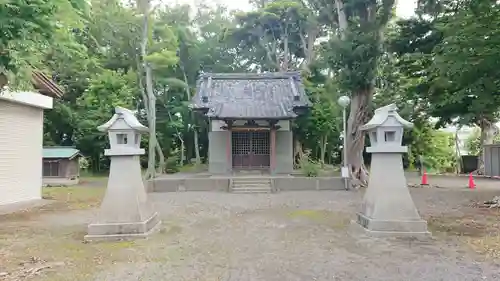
(45, 85)
(246, 95)
(60, 152)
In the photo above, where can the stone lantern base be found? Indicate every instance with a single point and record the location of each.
(125, 211)
(388, 208)
(392, 228)
(122, 231)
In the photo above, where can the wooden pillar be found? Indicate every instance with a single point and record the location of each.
(229, 151)
(272, 160)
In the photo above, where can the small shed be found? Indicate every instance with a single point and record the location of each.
(60, 165)
(491, 154)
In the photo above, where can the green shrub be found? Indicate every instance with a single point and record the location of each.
(172, 162)
(309, 167)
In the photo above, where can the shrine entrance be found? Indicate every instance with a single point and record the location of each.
(250, 149)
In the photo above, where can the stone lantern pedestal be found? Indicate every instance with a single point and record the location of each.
(125, 211)
(388, 208)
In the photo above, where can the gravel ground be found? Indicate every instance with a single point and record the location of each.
(296, 236)
(286, 236)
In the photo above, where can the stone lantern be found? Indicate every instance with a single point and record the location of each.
(388, 207)
(125, 212)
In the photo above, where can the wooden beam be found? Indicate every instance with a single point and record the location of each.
(45, 85)
(246, 129)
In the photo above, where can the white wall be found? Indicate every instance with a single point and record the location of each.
(21, 136)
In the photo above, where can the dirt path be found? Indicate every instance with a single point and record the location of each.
(287, 236)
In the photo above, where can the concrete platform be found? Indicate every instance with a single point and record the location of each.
(221, 183)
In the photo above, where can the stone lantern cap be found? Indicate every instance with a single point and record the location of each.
(128, 118)
(382, 114)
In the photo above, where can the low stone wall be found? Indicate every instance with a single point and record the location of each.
(188, 184)
(222, 184)
(307, 183)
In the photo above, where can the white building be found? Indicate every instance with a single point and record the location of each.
(21, 137)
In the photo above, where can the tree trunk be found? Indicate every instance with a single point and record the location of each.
(308, 47)
(195, 129)
(181, 162)
(342, 18)
(358, 116)
(151, 171)
(323, 143)
(286, 52)
(488, 133)
(298, 153)
(162, 163)
(197, 147)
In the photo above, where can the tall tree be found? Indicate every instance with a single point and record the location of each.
(466, 60)
(157, 52)
(280, 33)
(356, 48)
(451, 49)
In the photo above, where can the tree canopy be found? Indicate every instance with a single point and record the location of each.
(439, 67)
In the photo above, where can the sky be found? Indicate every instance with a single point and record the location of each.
(404, 8)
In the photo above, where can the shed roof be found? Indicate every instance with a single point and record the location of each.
(65, 152)
(250, 96)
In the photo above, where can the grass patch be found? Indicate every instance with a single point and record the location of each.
(75, 197)
(457, 226)
(64, 199)
(479, 230)
(332, 219)
(193, 168)
(487, 245)
(91, 175)
(78, 261)
(65, 248)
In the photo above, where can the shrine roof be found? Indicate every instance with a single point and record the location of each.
(250, 96)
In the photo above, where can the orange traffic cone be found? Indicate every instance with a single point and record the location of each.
(472, 185)
(424, 178)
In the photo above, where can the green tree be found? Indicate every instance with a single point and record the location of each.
(20, 18)
(474, 145)
(280, 33)
(355, 51)
(106, 90)
(465, 59)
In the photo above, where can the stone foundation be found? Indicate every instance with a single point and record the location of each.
(393, 228)
(223, 184)
(122, 231)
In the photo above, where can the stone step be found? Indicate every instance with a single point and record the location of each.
(263, 181)
(252, 179)
(251, 185)
(251, 190)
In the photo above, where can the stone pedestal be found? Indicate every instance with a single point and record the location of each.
(125, 212)
(388, 208)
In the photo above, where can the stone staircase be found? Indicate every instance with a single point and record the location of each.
(251, 185)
